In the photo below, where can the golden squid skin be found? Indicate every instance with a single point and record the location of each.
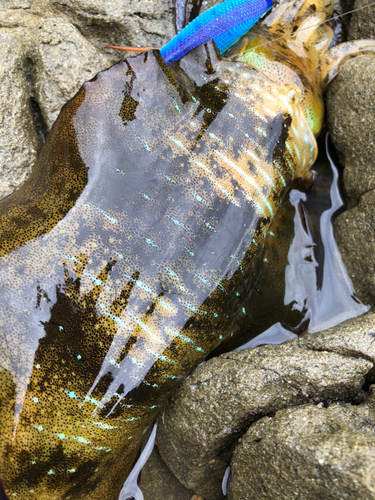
(128, 254)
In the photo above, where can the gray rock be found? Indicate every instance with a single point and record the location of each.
(129, 22)
(16, 4)
(351, 120)
(309, 453)
(355, 236)
(48, 50)
(207, 4)
(158, 482)
(63, 60)
(224, 396)
(18, 140)
(362, 22)
(56, 56)
(354, 338)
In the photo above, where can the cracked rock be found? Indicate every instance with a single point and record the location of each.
(225, 395)
(128, 22)
(354, 338)
(309, 453)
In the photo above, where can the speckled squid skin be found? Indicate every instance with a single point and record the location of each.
(127, 255)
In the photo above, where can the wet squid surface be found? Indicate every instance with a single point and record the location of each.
(127, 255)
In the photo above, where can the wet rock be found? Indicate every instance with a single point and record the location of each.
(138, 24)
(354, 338)
(362, 22)
(18, 141)
(48, 50)
(355, 236)
(310, 452)
(351, 120)
(57, 59)
(224, 396)
(158, 482)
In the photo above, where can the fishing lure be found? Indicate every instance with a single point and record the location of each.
(128, 254)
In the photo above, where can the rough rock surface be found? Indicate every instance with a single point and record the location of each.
(354, 338)
(351, 119)
(158, 482)
(48, 49)
(224, 396)
(362, 22)
(351, 105)
(127, 22)
(18, 141)
(309, 453)
(355, 236)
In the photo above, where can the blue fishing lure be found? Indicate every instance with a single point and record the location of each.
(224, 24)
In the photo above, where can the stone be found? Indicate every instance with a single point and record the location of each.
(57, 58)
(64, 60)
(126, 23)
(351, 121)
(362, 22)
(355, 237)
(310, 452)
(18, 139)
(224, 396)
(354, 338)
(158, 482)
(49, 48)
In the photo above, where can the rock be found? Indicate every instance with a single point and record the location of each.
(355, 236)
(310, 452)
(213, 408)
(64, 60)
(18, 140)
(362, 24)
(351, 121)
(48, 50)
(129, 22)
(158, 482)
(57, 58)
(354, 338)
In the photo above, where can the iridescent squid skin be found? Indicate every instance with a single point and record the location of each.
(127, 255)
